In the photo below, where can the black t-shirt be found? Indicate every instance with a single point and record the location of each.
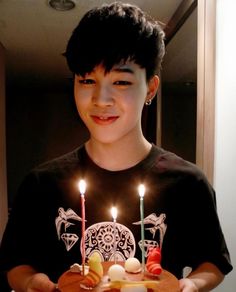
(44, 228)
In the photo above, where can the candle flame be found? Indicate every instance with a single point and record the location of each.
(82, 186)
(114, 212)
(141, 190)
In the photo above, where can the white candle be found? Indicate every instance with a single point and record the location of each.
(114, 213)
(82, 189)
(141, 191)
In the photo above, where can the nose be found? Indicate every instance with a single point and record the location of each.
(102, 96)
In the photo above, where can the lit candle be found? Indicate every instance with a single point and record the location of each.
(141, 191)
(114, 216)
(82, 189)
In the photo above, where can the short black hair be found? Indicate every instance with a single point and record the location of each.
(115, 33)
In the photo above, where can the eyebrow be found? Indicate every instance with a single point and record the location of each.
(123, 70)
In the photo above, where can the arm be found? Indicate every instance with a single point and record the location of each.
(206, 277)
(25, 279)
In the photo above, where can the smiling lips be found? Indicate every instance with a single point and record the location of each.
(104, 120)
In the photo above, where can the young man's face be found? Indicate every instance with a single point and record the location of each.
(110, 104)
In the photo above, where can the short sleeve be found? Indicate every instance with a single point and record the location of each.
(18, 243)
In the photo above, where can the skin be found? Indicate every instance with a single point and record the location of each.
(25, 279)
(111, 106)
(205, 278)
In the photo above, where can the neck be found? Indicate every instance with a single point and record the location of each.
(118, 156)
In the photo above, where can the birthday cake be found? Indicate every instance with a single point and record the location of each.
(127, 276)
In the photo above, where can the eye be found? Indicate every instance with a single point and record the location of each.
(86, 81)
(122, 82)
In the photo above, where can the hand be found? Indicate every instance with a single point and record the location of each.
(40, 283)
(187, 285)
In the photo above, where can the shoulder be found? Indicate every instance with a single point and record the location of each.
(56, 173)
(184, 178)
(61, 166)
(170, 164)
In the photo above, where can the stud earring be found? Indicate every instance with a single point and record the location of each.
(148, 102)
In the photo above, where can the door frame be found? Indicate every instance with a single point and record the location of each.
(205, 127)
(205, 139)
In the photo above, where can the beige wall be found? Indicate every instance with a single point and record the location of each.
(3, 180)
(225, 125)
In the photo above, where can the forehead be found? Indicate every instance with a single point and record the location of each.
(122, 67)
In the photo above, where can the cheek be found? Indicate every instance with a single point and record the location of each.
(80, 105)
(81, 98)
(136, 103)
(136, 97)
(77, 103)
(134, 112)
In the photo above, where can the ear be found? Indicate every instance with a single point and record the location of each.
(153, 85)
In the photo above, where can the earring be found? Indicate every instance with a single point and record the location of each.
(148, 102)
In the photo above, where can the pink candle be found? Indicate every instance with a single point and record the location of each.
(82, 189)
(141, 191)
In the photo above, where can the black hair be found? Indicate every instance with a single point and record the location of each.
(112, 34)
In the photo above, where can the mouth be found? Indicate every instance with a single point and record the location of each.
(104, 120)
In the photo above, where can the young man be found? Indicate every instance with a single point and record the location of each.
(114, 53)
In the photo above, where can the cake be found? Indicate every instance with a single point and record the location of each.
(120, 276)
